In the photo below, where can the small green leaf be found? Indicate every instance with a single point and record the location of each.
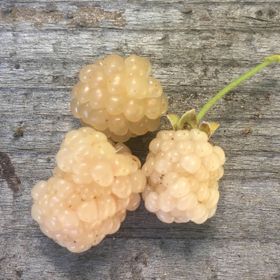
(189, 119)
(173, 119)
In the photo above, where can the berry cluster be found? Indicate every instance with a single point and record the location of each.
(95, 181)
(119, 97)
(183, 170)
(92, 186)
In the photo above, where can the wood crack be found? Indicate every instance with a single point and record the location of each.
(7, 172)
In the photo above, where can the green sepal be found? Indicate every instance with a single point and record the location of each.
(188, 120)
(209, 127)
(173, 119)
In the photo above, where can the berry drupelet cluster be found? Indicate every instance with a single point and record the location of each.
(119, 96)
(183, 170)
(96, 181)
(92, 186)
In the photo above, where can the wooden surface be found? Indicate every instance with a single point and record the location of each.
(196, 47)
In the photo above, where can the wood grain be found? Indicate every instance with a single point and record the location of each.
(196, 47)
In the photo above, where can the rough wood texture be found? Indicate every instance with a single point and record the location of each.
(196, 47)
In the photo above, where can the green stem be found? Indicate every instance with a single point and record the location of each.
(247, 75)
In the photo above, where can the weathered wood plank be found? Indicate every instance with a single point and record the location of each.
(196, 47)
(151, 259)
(180, 15)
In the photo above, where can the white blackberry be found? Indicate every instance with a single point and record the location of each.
(92, 186)
(183, 170)
(119, 97)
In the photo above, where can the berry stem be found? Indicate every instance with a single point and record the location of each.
(247, 75)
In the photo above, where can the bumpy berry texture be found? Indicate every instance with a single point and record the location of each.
(118, 96)
(183, 171)
(92, 186)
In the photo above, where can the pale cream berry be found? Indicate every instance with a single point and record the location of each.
(181, 135)
(220, 153)
(88, 212)
(162, 165)
(96, 100)
(166, 201)
(134, 110)
(187, 202)
(138, 181)
(118, 96)
(140, 127)
(183, 169)
(39, 190)
(203, 148)
(123, 165)
(165, 217)
(68, 219)
(115, 105)
(191, 163)
(118, 125)
(173, 155)
(91, 189)
(155, 145)
(169, 178)
(180, 187)
(151, 202)
(136, 86)
(134, 202)
(154, 88)
(212, 162)
(197, 135)
(102, 173)
(199, 214)
(113, 64)
(136, 65)
(153, 108)
(148, 167)
(122, 187)
(203, 193)
(184, 147)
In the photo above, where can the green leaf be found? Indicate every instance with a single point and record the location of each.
(173, 119)
(188, 118)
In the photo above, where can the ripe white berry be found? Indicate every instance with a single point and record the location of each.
(183, 170)
(119, 97)
(92, 186)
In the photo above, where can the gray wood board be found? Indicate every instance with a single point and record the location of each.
(196, 47)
